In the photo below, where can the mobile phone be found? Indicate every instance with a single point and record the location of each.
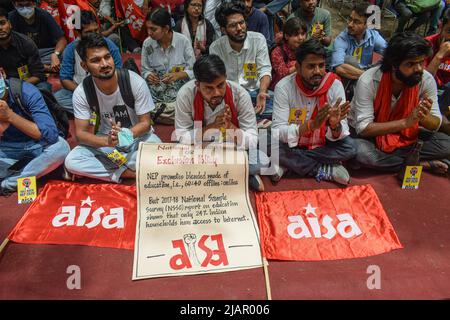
(121, 115)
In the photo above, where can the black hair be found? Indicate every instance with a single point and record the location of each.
(403, 46)
(3, 13)
(227, 9)
(160, 16)
(92, 40)
(311, 46)
(208, 68)
(293, 26)
(361, 9)
(446, 17)
(86, 17)
(186, 6)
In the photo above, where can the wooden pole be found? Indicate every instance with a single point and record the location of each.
(266, 276)
(3, 245)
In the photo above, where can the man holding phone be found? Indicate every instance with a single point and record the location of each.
(110, 153)
(316, 143)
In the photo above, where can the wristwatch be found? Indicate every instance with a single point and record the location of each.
(57, 53)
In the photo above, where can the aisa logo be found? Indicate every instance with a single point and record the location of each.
(326, 228)
(89, 217)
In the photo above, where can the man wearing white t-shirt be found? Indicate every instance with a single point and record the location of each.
(310, 116)
(108, 130)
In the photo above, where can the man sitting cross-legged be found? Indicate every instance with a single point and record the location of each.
(396, 104)
(310, 117)
(221, 105)
(121, 114)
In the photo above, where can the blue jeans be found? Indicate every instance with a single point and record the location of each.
(64, 98)
(82, 160)
(267, 114)
(45, 54)
(44, 85)
(43, 160)
(306, 162)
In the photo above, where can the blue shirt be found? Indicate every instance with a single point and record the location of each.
(258, 22)
(67, 71)
(345, 45)
(34, 103)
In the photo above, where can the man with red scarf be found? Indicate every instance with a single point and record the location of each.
(224, 110)
(396, 104)
(310, 117)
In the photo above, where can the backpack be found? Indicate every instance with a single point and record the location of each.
(58, 113)
(125, 91)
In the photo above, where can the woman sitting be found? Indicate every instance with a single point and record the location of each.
(283, 56)
(167, 61)
(196, 27)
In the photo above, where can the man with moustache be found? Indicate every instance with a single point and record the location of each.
(395, 104)
(245, 55)
(110, 153)
(310, 116)
(225, 110)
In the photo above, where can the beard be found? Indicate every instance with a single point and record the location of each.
(238, 39)
(411, 80)
(6, 36)
(312, 82)
(215, 101)
(106, 76)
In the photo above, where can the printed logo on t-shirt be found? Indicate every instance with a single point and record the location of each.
(250, 71)
(177, 69)
(121, 115)
(297, 115)
(357, 53)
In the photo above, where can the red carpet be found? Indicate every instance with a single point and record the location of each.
(419, 271)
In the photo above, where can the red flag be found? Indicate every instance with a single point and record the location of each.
(101, 215)
(53, 11)
(324, 224)
(127, 9)
(67, 9)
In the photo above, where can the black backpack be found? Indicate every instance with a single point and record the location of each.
(126, 92)
(58, 113)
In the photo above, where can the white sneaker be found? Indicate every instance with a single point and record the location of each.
(333, 172)
(255, 183)
(279, 172)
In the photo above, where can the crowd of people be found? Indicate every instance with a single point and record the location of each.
(235, 67)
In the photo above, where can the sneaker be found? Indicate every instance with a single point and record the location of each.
(137, 50)
(333, 172)
(256, 184)
(279, 172)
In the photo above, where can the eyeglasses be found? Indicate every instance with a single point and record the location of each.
(235, 24)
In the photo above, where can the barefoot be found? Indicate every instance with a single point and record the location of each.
(435, 166)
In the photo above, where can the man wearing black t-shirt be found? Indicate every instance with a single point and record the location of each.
(40, 26)
(20, 56)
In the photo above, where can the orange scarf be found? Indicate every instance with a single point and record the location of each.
(384, 113)
(199, 110)
(316, 138)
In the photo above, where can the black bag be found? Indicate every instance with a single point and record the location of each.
(130, 64)
(58, 113)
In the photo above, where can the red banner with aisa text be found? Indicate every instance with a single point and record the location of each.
(100, 215)
(324, 224)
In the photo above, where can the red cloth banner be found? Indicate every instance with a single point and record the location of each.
(324, 224)
(127, 9)
(67, 11)
(53, 11)
(100, 215)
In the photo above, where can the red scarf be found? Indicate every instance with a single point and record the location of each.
(316, 138)
(199, 110)
(383, 113)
